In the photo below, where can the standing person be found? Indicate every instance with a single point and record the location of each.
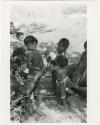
(62, 46)
(34, 61)
(63, 83)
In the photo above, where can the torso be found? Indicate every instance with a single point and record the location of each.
(60, 73)
(36, 58)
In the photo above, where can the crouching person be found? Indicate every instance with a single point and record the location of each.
(63, 83)
(34, 62)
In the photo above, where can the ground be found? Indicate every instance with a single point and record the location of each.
(49, 111)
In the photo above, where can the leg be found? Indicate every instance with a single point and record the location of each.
(63, 95)
(37, 77)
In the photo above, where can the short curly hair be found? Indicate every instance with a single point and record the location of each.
(61, 61)
(30, 39)
(18, 34)
(63, 42)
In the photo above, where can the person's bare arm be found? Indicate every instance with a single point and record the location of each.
(70, 84)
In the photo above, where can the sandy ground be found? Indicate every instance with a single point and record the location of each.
(64, 24)
(49, 111)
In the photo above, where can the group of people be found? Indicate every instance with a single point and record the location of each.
(65, 78)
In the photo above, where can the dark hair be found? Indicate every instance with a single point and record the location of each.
(11, 23)
(30, 39)
(18, 34)
(63, 42)
(85, 44)
(20, 54)
(61, 61)
(19, 51)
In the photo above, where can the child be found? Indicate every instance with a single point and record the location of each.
(19, 43)
(12, 28)
(34, 60)
(62, 80)
(20, 40)
(20, 36)
(62, 46)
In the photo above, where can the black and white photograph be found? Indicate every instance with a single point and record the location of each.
(48, 62)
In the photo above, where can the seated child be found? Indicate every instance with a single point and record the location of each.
(34, 60)
(63, 83)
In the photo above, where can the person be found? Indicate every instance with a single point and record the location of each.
(18, 65)
(81, 67)
(34, 60)
(63, 83)
(12, 28)
(18, 70)
(19, 43)
(79, 76)
(62, 46)
(48, 57)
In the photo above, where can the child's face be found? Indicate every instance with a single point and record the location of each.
(21, 38)
(32, 46)
(60, 49)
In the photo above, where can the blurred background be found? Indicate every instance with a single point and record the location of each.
(51, 22)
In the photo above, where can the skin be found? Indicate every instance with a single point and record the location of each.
(32, 47)
(21, 38)
(38, 74)
(60, 50)
(60, 74)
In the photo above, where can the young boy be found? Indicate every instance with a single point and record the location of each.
(62, 46)
(62, 80)
(34, 60)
